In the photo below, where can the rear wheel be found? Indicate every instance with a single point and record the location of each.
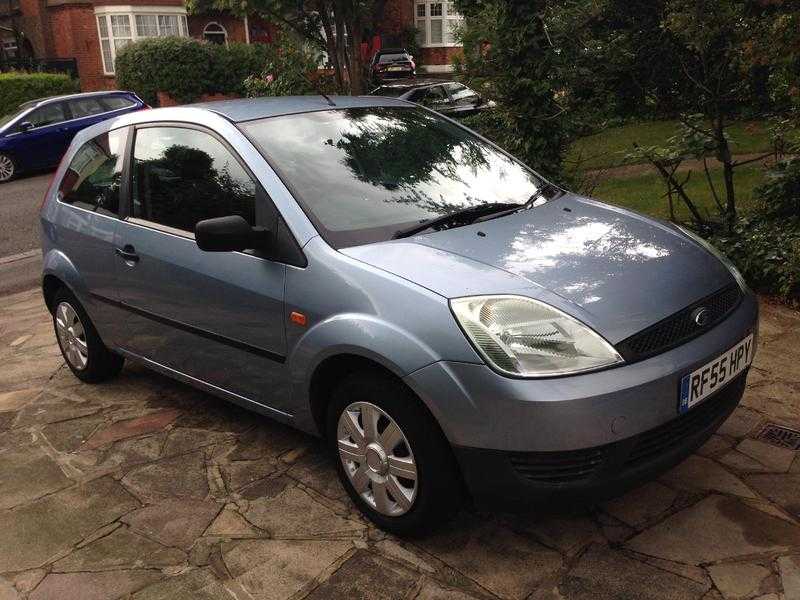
(7, 168)
(393, 459)
(83, 350)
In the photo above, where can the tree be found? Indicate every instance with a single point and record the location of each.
(337, 27)
(509, 56)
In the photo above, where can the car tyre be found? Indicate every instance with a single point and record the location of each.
(7, 168)
(83, 350)
(406, 440)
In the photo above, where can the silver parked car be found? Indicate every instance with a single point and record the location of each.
(369, 271)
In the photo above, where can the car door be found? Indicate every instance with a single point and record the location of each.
(214, 316)
(45, 142)
(89, 195)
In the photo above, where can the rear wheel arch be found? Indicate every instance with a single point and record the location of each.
(50, 287)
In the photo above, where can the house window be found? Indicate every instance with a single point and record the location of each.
(436, 23)
(215, 33)
(119, 26)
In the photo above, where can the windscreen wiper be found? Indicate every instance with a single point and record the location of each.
(464, 216)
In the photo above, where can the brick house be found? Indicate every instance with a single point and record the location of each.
(91, 31)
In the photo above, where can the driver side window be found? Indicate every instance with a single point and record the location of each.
(182, 176)
(436, 96)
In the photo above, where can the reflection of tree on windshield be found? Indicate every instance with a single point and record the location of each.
(182, 187)
(400, 150)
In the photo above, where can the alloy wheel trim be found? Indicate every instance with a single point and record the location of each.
(377, 459)
(6, 168)
(71, 336)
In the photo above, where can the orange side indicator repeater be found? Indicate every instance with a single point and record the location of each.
(298, 318)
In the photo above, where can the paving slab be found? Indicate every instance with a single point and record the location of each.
(605, 573)
(28, 473)
(783, 490)
(295, 514)
(120, 549)
(174, 522)
(738, 580)
(714, 529)
(505, 563)
(789, 568)
(773, 458)
(366, 575)
(276, 569)
(46, 528)
(93, 586)
(183, 476)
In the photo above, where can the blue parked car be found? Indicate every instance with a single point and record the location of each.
(370, 271)
(37, 135)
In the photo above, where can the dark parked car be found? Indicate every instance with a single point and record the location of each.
(447, 97)
(392, 62)
(40, 131)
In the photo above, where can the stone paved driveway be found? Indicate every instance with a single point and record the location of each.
(148, 489)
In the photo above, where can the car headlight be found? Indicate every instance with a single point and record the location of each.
(527, 338)
(722, 258)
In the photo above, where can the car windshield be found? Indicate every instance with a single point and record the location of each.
(363, 174)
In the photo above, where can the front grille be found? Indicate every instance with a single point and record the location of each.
(557, 467)
(680, 327)
(560, 470)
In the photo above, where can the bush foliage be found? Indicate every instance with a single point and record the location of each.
(17, 87)
(187, 68)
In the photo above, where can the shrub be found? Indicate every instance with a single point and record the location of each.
(179, 66)
(17, 87)
(766, 244)
(780, 194)
(187, 68)
(767, 252)
(289, 71)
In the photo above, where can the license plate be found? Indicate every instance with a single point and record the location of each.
(395, 68)
(716, 374)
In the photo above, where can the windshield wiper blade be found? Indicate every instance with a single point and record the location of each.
(545, 187)
(467, 215)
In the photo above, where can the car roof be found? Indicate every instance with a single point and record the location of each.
(392, 51)
(40, 101)
(250, 109)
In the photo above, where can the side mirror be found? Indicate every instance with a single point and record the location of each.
(229, 234)
(25, 126)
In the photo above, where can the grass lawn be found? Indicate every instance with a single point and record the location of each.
(645, 193)
(609, 147)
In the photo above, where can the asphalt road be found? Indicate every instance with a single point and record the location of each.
(19, 210)
(20, 269)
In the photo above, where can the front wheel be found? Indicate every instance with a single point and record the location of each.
(393, 459)
(7, 168)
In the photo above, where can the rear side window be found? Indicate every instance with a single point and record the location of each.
(85, 107)
(117, 102)
(93, 178)
(47, 115)
(182, 176)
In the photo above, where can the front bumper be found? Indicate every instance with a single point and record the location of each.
(592, 421)
(513, 479)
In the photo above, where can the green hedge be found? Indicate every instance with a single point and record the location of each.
(17, 87)
(187, 68)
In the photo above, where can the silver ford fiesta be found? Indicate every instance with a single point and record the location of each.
(369, 271)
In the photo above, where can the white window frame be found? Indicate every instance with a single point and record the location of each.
(424, 22)
(217, 24)
(104, 13)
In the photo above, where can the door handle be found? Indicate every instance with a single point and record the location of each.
(128, 253)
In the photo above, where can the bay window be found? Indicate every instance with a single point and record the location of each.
(436, 23)
(118, 26)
